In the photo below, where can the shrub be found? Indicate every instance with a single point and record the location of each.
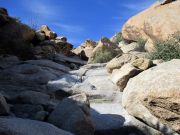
(167, 50)
(141, 42)
(104, 55)
(119, 37)
(105, 40)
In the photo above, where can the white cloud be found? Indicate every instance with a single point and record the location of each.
(42, 9)
(70, 28)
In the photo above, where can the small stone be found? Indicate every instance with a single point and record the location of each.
(64, 39)
(142, 63)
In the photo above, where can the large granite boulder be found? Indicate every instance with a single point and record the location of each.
(17, 126)
(33, 97)
(153, 96)
(73, 114)
(156, 23)
(142, 63)
(121, 76)
(32, 75)
(26, 111)
(119, 61)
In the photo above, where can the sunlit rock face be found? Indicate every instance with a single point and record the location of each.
(156, 23)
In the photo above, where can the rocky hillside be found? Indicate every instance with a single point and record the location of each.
(109, 87)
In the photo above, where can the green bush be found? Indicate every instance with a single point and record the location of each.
(167, 50)
(141, 42)
(103, 55)
(105, 40)
(119, 37)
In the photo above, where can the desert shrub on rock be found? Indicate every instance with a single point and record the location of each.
(104, 51)
(141, 43)
(104, 55)
(117, 38)
(167, 50)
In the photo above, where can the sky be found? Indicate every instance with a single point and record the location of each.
(78, 20)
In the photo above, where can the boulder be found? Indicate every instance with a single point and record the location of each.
(62, 38)
(17, 126)
(53, 46)
(73, 115)
(35, 98)
(119, 61)
(49, 34)
(40, 35)
(63, 48)
(48, 64)
(29, 76)
(152, 23)
(28, 111)
(142, 63)
(4, 107)
(121, 76)
(132, 47)
(44, 52)
(150, 45)
(153, 96)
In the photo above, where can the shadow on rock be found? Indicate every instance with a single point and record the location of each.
(106, 121)
(126, 130)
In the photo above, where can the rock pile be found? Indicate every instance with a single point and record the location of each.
(85, 50)
(145, 94)
(20, 40)
(47, 43)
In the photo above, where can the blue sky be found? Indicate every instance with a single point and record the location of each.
(78, 20)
